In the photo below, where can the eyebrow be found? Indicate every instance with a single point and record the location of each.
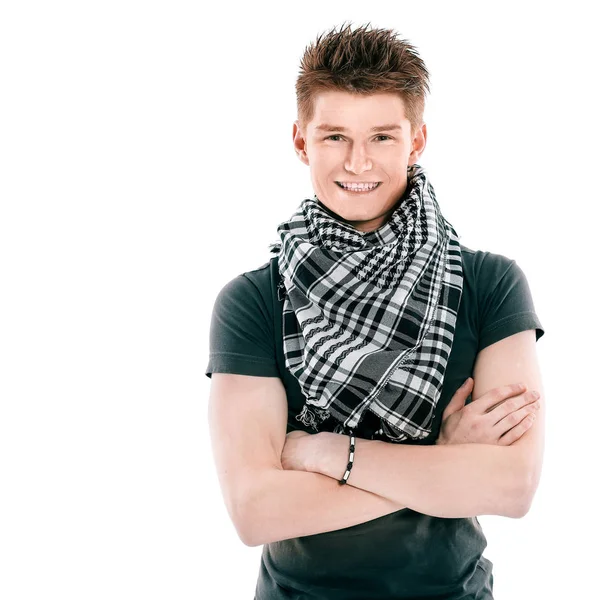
(327, 127)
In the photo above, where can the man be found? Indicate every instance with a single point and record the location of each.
(362, 329)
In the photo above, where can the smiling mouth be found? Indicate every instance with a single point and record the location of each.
(358, 191)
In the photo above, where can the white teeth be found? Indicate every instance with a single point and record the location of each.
(359, 187)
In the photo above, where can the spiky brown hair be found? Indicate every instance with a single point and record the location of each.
(363, 61)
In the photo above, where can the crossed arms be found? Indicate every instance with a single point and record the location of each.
(248, 418)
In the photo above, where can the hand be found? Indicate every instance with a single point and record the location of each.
(490, 419)
(298, 451)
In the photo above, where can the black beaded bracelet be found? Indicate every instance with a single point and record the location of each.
(344, 479)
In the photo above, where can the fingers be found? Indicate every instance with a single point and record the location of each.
(465, 389)
(517, 432)
(496, 396)
(457, 402)
(527, 402)
(467, 385)
(511, 418)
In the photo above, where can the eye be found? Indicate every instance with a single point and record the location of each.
(338, 136)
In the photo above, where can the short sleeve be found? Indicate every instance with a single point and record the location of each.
(241, 332)
(505, 302)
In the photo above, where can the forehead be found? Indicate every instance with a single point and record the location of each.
(358, 111)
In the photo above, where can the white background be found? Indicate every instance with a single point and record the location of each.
(146, 159)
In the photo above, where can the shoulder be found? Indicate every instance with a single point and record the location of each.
(250, 290)
(502, 294)
(492, 276)
(481, 266)
(263, 278)
(255, 281)
(487, 275)
(241, 336)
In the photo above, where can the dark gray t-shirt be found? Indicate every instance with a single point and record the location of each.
(405, 554)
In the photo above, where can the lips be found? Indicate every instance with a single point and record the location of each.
(359, 190)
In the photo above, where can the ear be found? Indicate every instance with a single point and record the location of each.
(299, 142)
(419, 142)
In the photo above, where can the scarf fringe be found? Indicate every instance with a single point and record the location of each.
(312, 418)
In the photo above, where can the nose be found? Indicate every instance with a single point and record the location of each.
(358, 161)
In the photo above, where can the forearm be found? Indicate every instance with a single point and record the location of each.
(459, 480)
(287, 504)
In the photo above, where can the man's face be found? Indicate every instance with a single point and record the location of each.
(354, 152)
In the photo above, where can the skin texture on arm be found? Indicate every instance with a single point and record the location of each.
(452, 481)
(290, 504)
(514, 359)
(460, 480)
(248, 419)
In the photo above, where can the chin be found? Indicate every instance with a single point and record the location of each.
(359, 218)
(356, 216)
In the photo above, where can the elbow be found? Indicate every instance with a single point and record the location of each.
(238, 509)
(525, 494)
(246, 538)
(254, 520)
(244, 530)
(249, 512)
(248, 527)
(245, 525)
(250, 532)
(516, 506)
(521, 508)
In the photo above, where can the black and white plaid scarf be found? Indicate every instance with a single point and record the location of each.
(369, 318)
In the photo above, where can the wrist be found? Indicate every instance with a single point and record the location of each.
(331, 454)
(313, 458)
(310, 456)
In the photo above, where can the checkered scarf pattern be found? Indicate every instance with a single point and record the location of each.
(369, 318)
